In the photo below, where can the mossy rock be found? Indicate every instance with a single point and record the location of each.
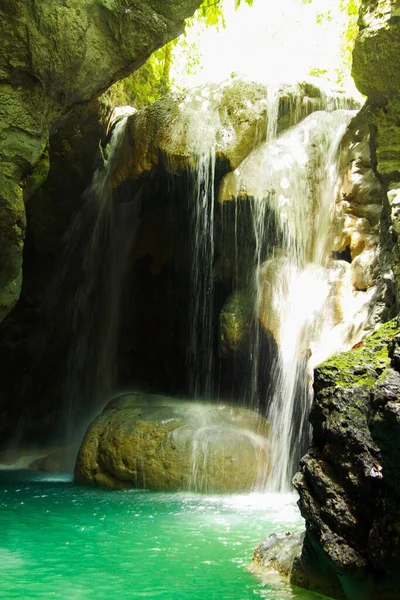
(230, 118)
(161, 443)
(348, 481)
(362, 365)
(235, 321)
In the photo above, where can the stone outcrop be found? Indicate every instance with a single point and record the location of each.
(348, 481)
(59, 461)
(353, 237)
(235, 321)
(232, 117)
(161, 443)
(56, 55)
(375, 59)
(159, 170)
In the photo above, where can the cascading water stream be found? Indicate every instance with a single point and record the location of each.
(201, 340)
(259, 231)
(298, 176)
(294, 286)
(102, 233)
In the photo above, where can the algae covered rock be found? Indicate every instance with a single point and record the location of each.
(375, 71)
(235, 321)
(377, 49)
(348, 481)
(161, 443)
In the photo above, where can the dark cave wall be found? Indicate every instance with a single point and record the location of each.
(56, 55)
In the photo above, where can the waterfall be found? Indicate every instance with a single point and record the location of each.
(101, 234)
(201, 334)
(297, 181)
(259, 216)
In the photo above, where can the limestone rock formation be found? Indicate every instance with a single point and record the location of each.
(352, 236)
(231, 116)
(348, 482)
(260, 175)
(375, 59)
(161, 443)
(56, 55)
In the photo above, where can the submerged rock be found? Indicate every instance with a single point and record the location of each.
(348, 481)
(278, 552)
(161, 443)
(59, 461)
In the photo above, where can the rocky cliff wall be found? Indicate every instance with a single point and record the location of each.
(348, 481)
(376, 58)
(57, 54)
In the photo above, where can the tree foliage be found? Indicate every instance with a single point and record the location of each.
(211, 12)
(351, 8)
(153, 78)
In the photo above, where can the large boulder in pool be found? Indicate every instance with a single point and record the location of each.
(161, 443)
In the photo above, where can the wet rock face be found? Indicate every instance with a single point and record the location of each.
(161, 443)
(348, 481)
(231, 116)
(97, 42)
(158, 277)
(377, 49)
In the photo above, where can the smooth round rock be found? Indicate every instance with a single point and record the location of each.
(161, 443)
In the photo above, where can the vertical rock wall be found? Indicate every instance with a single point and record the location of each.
(57, 54)
(376, 61)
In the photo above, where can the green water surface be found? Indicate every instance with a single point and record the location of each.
(59, 540)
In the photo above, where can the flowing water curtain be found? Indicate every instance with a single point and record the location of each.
(98, 244)
(202, 319)
(295, 285)
(261, 226)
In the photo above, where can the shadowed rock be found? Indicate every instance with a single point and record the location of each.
(348, 481)
(56, 55)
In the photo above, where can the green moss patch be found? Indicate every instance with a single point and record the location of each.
(363, 364)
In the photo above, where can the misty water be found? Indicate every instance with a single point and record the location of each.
(59, 540)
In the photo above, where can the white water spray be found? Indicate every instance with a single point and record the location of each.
(201, 341)
(102, 233)
(293, 180)
(295, 286)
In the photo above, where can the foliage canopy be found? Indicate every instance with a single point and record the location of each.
(153, 79)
